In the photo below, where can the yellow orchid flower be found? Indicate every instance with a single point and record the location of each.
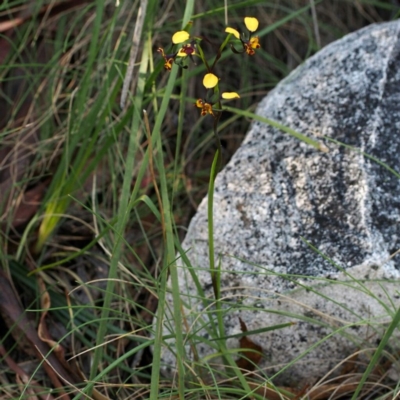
(168, 58)
(252, 43)
(206, 108)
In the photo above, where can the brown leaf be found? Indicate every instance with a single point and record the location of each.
(252, 353)
(29, 392)
(14, 162)
(271, 393)
(28, 205)
(23, 377)
(332, 391)
(10, 306)
(43, 331)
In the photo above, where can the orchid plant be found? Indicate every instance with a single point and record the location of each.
(190, 47)
(210, 104)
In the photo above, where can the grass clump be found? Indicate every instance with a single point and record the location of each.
(96, 198)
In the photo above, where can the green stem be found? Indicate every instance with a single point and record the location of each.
(219, 53)
(216, 274)
(203, 58)
(213, 174)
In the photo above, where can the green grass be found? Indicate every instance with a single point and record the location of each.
(119, 186)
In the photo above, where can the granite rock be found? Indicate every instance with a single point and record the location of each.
(306, 236)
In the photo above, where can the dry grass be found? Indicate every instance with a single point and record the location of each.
(58, 91)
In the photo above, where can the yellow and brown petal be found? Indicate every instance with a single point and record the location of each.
(206, 108)
(168, 58)
(254, 42)
(187, 50)
(168, 64)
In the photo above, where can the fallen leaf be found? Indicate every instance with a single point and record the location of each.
(251, 353)
(23, 377)
(11, 307)
(43, 331)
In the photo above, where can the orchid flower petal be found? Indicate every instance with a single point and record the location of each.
(181, 53)
(233, 31)
(230, 95)
(254, 42)
(210, 81)
(180, 37)
(251, 23)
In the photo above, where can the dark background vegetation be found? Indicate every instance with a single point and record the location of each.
(46, 126)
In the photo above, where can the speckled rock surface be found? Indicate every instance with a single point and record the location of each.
(276, 191)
